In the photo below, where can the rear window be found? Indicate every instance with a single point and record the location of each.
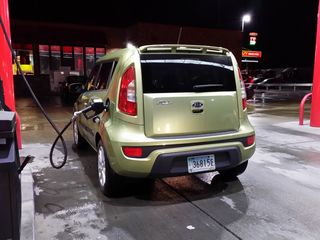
(168, 73)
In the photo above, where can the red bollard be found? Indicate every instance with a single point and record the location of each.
(301, 112)
(315, 104)
(6, 73)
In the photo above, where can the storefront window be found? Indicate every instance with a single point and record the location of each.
(100, 52)
(55, 57)
(78, 60)
(44, 59)
(24, 53)
(55, 63)
(89, 59)
(67, 57)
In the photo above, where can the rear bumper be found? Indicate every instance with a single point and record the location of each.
(175, 164)
(168, 156)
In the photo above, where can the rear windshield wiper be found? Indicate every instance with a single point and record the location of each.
(202, 86)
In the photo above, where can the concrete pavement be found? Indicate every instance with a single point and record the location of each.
(277, 197)
(27, 208)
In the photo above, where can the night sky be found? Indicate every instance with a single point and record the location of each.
(286, 28)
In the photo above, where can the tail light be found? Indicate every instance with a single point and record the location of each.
(250, 140)
(243, 91)
(127, 96)
(132, 151)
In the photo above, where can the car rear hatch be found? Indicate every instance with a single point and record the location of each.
(188, 94)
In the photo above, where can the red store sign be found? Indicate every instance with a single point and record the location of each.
(251, 54)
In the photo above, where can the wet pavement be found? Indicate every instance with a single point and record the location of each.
(278, 197)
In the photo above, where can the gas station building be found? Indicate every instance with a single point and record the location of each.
(48, 50)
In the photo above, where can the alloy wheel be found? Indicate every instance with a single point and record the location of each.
(75, 133)
(101, 166)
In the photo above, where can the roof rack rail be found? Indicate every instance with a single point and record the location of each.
(183, 48)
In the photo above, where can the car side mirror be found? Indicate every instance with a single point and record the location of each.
(76, 88)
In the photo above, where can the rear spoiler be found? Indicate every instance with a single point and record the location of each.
(182, 48)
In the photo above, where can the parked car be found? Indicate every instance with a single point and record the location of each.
(72, 87)
(275, 80)
(266, 74)
(172, 110)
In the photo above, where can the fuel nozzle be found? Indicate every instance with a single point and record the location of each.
(96, 105)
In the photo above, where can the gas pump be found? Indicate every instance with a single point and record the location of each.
(10, 186)
(10, 137)
(10, 140)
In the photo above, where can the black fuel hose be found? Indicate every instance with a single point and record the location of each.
(75, 116)
(65, 151)
(53, 146)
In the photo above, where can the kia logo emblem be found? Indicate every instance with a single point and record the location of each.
(197, 105)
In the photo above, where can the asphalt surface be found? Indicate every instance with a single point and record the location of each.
(277, 197)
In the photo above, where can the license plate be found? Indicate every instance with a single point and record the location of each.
(201, 163)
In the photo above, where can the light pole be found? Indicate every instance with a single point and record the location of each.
(245, 19)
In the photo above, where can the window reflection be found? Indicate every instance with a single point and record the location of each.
(67, 57)
(78, 60)
(89, 59)
(100, 52)
(44, 59)
(55, 63)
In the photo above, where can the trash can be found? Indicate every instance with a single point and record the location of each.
(10, 185)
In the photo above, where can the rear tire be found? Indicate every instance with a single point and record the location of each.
(109, 181)
(78, 140)
(232, 173)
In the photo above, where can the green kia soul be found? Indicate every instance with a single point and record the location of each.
(172, 110)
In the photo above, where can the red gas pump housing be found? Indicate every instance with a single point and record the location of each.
(6, 73)
(315, 103)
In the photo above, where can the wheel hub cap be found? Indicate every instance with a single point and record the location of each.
(101, 167)
(75, 133)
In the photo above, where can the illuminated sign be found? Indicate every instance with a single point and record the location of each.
(253, 41)
(251, 54)
(253, 38)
